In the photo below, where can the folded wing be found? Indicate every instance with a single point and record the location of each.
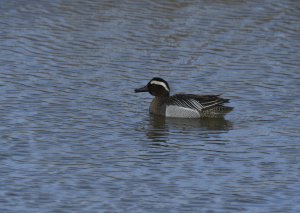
(197, 102)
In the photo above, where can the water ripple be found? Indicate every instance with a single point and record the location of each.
(75, 137)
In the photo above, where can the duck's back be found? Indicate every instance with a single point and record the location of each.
(196, 106)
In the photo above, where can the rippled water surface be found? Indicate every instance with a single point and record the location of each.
(76, 138)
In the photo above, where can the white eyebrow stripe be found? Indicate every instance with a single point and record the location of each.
(161, 84)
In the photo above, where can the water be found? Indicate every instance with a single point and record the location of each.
(76, 138)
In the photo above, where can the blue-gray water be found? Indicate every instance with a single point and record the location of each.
(74, 137)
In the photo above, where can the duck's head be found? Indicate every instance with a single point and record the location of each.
(156, 87)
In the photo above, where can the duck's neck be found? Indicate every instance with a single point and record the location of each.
(158, 105)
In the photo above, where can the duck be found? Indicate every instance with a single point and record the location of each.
(183, 105)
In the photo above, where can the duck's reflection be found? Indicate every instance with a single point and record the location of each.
(160, 127)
